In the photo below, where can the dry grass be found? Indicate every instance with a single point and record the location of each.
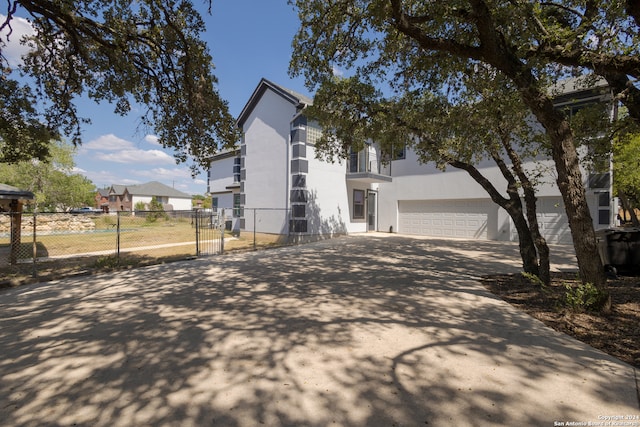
(141, 243)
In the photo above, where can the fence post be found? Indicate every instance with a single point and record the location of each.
(222, 225)
(118, 237)
(197, 221)
(35, 247)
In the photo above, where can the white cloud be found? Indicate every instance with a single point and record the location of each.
(14, 49)
(136, 156)
(108, 142)
(78, 170)
(110, 148)
(152, 139)
(337, 71)
(164, 174)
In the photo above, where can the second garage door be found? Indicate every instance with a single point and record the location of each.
(445, 218)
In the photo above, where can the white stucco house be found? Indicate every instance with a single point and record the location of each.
(274, 184)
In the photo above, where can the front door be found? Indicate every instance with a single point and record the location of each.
(372, 211)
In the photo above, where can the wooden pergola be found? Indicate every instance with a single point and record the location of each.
(12, 200)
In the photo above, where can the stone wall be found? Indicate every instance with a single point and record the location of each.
(47, 223)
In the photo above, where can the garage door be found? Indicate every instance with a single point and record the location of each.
(552, 220)
(444, 218)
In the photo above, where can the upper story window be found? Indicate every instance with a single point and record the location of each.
(314, 132)
(399, 152)
(237, 162)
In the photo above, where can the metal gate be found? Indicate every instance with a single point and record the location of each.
(209, 233)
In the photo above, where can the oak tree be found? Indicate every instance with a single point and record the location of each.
(411, 45)
(146, 54)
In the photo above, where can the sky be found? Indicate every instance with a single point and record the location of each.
(248, 40)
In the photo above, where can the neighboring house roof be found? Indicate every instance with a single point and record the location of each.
(117, 189)
(155, 188)
(297, 99)
(104, 192)
(9, 192)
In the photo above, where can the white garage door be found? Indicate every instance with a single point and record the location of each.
(444, 218)
(552, 220)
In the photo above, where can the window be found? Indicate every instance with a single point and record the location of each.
(214, 204)
(399, 153)
(298, 211)
(314, 133)
(358, 204)
(237, 208)
(604, 211)
(236, 169)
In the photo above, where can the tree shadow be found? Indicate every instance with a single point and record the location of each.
(357, 331)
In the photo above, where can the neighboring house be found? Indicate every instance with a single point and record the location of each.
(102, 199)
(125, 197)
(274, 183)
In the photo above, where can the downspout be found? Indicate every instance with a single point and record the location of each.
(287, 187)
(613, 201)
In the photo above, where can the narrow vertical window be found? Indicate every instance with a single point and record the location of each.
(358, 204)
(236, 205)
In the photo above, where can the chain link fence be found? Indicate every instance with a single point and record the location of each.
(48, 245)
(266, 227)
(37, 244)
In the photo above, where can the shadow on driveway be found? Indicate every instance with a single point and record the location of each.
(374, 330)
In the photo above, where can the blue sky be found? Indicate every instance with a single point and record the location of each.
(248, 39)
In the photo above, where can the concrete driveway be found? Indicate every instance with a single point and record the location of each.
(371, 330)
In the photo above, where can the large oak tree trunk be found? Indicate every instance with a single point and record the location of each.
(570, 183)
(530, 200)
(513, 206)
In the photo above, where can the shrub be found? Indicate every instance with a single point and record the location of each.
(585, 297)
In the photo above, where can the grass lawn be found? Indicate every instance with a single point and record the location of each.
(141, 243)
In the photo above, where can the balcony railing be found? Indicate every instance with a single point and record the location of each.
(366, 166)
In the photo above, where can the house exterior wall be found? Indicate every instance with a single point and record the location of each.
(120, 202)
(330, 197)
(221, 174)
(265, 154)
(180, 204)
(458, 195)
(177, 204)
(285, 190)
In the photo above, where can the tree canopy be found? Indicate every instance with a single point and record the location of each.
(411, 46)
(55, 185)
(129, 54)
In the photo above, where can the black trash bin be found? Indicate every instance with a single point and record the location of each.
(620, 248)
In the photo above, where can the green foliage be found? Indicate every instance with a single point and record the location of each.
(22, 135)
(532, 278)
(52, 181)
(626, 167)
(107, 263)
(140, 206)
(206, 201)
(585, 297)
(156, 211)
(421, 54)
(146, 55)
